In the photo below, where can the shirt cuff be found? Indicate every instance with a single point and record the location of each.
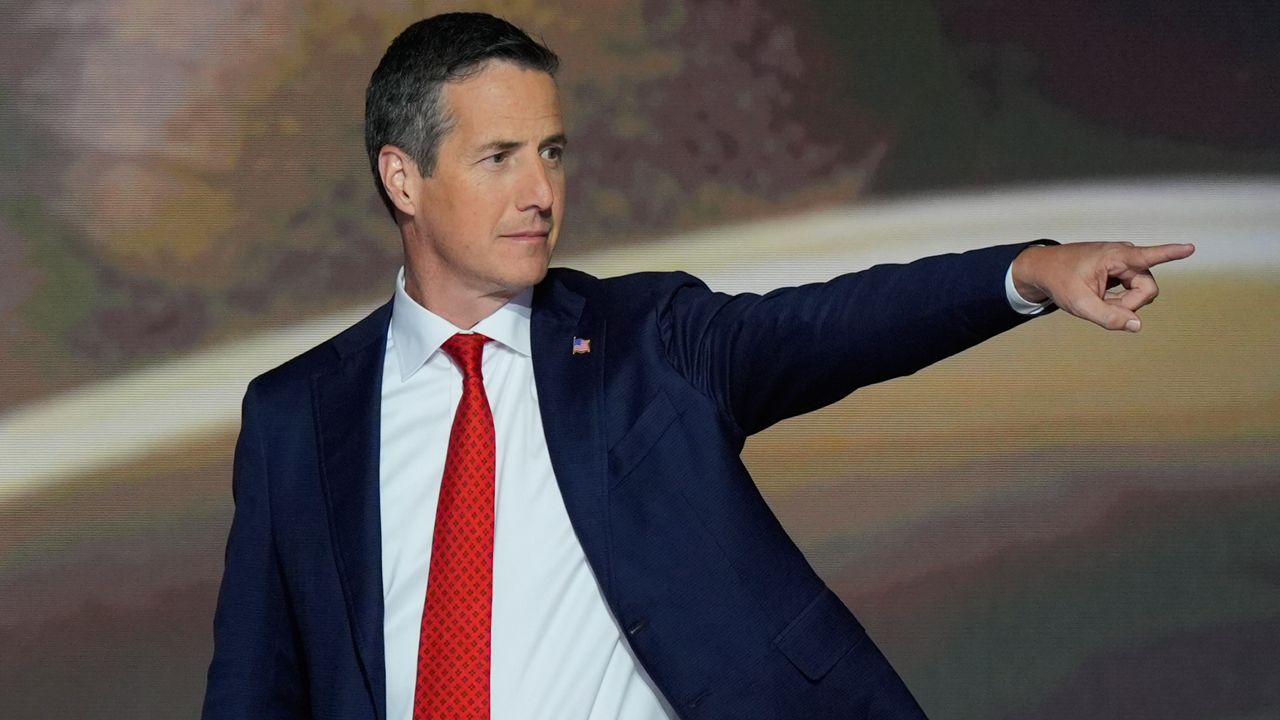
(1020, 304)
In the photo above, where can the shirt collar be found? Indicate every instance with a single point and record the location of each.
(417, 332)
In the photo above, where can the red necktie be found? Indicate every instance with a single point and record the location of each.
(453, 651)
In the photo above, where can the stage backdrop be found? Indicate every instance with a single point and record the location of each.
(1063, 523)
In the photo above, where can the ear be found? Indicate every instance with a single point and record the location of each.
(400, 178)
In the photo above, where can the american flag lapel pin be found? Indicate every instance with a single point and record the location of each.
(581, 346)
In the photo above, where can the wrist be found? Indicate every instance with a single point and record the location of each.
(1024, 274)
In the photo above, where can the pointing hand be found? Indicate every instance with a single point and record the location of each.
(1076, 277)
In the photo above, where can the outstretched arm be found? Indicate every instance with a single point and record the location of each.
(764, 358)
(1077, 277)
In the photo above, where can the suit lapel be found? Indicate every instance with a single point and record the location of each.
(570, 393)
(347, 400)
(348, 416)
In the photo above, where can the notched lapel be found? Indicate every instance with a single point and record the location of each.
(570, 392)
(348, 413)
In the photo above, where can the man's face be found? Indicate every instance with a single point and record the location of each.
(487, 218)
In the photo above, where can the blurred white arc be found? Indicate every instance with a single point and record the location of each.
(1234, 222)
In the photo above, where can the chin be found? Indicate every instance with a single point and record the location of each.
(516, 282)
(534, 278)
(532, 274)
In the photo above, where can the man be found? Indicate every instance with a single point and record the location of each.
(516, 493)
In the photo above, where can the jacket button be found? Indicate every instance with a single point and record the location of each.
(637, 626)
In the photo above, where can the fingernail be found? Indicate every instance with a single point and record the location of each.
(1133, 326)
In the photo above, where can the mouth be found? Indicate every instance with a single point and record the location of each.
(540, 234)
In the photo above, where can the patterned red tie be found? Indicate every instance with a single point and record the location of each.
(453, 651)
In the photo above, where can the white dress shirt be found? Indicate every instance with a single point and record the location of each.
(1020, 304)
(557, 652)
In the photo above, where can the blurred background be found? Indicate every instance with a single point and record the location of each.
(1063, 523)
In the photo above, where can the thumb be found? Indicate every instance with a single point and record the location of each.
(1108, 315)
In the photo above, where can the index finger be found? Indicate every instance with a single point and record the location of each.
(1153, 255)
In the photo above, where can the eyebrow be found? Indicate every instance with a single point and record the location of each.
(498, 146)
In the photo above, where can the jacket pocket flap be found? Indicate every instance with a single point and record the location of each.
(820, 635)
(640, 438)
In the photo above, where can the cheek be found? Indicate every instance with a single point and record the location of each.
(558, 185)
(478, 198)
(557, 208)
(480, 214)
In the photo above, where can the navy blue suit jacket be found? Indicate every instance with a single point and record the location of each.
(644, 434)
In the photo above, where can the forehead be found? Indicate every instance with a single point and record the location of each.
(503, 99)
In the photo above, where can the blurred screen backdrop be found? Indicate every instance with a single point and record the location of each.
(1063, 523)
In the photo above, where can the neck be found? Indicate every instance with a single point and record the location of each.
(459, 307)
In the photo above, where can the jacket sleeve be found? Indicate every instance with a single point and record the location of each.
(256, 671)
(765, 358)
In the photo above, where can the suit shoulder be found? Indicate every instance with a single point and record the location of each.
(296, 372)
(638, 289)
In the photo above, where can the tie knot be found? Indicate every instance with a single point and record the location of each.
(466, 349)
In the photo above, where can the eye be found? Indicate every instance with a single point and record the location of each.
(552, 153)
(497, 158)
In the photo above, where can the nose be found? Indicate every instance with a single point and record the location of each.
(536, 191)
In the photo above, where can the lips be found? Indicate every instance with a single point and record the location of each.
(528, 233)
